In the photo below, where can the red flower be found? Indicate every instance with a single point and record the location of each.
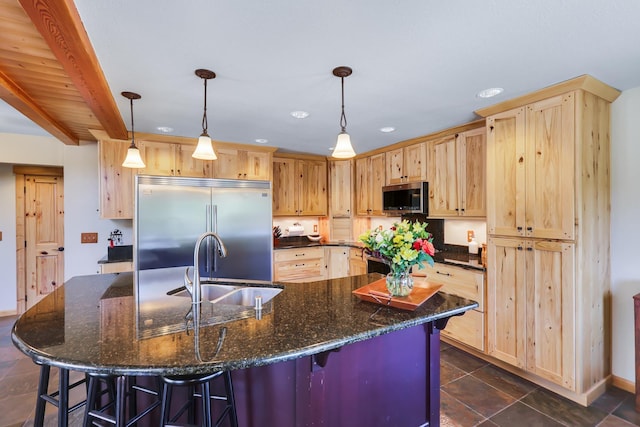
(428, 248)
(417, 244)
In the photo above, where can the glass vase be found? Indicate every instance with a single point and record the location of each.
(399, 282)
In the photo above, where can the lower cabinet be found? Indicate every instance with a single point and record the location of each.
(116, 267)
(337, 260)
(468, 328)
(357, 262)
(299, 265)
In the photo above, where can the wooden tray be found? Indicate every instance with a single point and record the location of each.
(376, 292)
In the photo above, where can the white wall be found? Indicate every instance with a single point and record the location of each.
(80, 165)
(625, 231)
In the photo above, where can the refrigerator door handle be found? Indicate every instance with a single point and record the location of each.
(208, 251)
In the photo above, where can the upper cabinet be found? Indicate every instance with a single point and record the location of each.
(407, 164)
(370, 178)
(532, 169)
(340, 182)
(456, 166)
(116, 182)
(299, 186)
(235, 163)
(167, 159)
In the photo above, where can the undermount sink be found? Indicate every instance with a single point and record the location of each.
(229, 294)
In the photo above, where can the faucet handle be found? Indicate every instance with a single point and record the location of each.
(188, 283)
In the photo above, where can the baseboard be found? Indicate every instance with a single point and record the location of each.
(4, 313)
(623, 384)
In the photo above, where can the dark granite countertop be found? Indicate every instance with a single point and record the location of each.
(460, 259)
(127, 324)
(304, 242)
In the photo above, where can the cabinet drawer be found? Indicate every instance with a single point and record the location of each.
(356, 254)
(459, 281)
(116, 267)
(468, 329)
(298, 270)
(298, 254)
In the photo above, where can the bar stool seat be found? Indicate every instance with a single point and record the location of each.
(203, 383)
(58, 398)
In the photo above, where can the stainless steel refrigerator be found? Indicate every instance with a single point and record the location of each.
(172, 212)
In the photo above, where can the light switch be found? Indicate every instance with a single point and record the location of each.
(88, 237)
(0, 236)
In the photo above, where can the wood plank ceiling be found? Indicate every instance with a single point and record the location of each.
(50, 73)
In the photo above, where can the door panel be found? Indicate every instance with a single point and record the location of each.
(44, 232)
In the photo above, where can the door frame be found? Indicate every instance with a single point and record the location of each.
(20, 171)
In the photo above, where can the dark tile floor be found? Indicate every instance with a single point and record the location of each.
(474, 393)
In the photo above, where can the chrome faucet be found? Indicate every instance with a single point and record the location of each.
(195, 285)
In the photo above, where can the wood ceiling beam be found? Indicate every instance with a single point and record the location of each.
(18, 99)
(61, 27)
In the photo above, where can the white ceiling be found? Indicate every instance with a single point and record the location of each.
(418, 64)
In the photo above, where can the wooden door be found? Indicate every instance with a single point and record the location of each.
(313, 187)
(506, 173)
(549, 159)
(377, 177)
(362, 189)
(506, 300)
(443, 188)
(44, 236)
(550, 312)
(186, 165)
(257, 165)
(340, 184)
(159, 158)
(472, 172)
(116, 182)
(285, 184)
(337, 261)
(227, 165)
(415, 163)
(395, 166)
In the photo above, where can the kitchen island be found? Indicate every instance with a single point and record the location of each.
(314, 355)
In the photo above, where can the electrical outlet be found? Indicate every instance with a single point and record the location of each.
(315, 228)
(470, 235)
(0, 236)
(88, 237)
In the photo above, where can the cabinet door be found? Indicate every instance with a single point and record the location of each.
(472, 172)
(186, 165)
(257, 165)
(285, 182)
(159, 158)
(550, 168)
(395, 166)
(443, 187)
(550, 311)
(337, 262)
(227, 166)
(362, 187)
(340, 184)
(313, 187)
(506, 173)
(116, 182)
(415, 163)
(506, 300)
(377, 181)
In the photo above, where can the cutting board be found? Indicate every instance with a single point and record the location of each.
(376, 292)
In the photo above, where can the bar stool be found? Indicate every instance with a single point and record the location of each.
(203, 382)
(122, 391)
(58, 398)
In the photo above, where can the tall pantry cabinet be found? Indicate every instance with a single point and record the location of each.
(548, 193)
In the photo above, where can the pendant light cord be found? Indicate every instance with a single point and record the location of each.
(133, 132)
(343, 118)
(204, 115)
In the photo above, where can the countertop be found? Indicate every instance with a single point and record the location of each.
(126, 324)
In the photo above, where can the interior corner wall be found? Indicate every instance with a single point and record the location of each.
(625, 232)
(8, 291)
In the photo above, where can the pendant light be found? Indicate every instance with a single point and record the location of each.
(133, 159)
(204, 149)
(343, 149)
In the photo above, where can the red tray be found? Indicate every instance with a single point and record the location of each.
(377, 293)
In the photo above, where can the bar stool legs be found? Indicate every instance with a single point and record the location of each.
(203, 383)
(58, 398)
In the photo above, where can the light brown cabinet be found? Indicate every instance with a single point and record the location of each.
(340, 183)
(548, 220)
(468, 329)
(167, 159)
(407, 164)
(299, 187)
(299, 265)
(457, 175)
(370, 178)
(357, 262)
(235, 163)
(337, 261)
(116, 182)
(116, 267)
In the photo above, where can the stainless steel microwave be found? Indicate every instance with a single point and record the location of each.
(412, 197)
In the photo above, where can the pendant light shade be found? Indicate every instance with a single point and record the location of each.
(343, 148)
(133, 159)
(204, 149)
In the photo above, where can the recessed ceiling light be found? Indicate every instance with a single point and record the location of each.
(300, 114)
(387, 129)
(491, 92)
(164, 129)
(261, 140)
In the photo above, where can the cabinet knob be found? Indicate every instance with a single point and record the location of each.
(519, 248)
(519, 228)
(529, 228)
(529, 248)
